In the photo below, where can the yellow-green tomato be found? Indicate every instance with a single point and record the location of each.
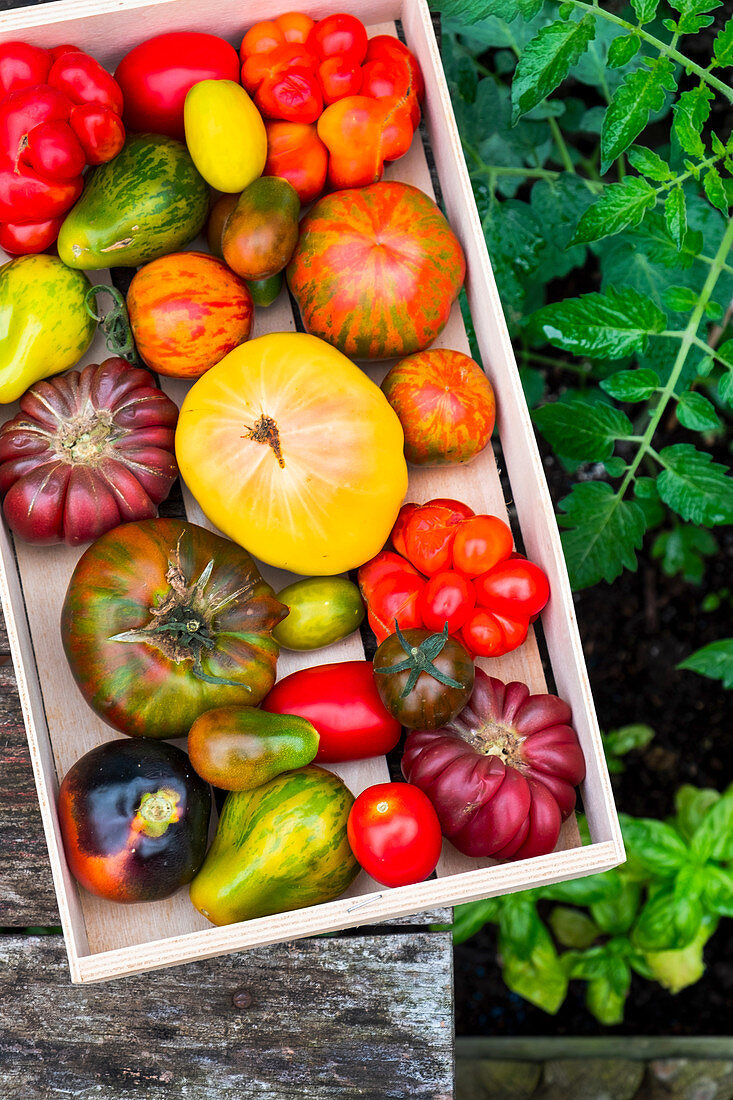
(238, 748)
(225, 134)
(44, 324)
(322, 610)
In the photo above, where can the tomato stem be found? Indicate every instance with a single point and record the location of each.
(420, 659)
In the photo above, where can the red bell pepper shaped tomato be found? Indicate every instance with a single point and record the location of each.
(361, 134)
(22, 66)
(84, 80)
(342, 702)
(29, 237)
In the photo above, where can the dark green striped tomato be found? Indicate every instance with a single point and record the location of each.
(322, 610)
(260, 234)
(376, 270)
(237, 748)
(280, 846)
(134, 819)
(148, 201)
(164, 620)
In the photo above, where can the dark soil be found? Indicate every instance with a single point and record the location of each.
(634, 633)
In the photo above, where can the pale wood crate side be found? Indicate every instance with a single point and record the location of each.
(524, 466)
(109, 28)
(337, 915)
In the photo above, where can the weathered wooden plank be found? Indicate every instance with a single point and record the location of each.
(342, 1017)
(26, 890)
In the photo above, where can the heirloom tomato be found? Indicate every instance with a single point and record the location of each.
(261, 232)
(296, 153)
(445, 404)
(391, 588)
(225, 134)
(448, 597)
(342, 702)
(187, 311)
(426, 539)
(88, 450)
(164, 620)
(294, 453)
(395, 834)
(501, 774)
(237, 748)
(376, 270)
(321, 610)
(134, 819)
(423, 679)
(156, 76)
(480, 543)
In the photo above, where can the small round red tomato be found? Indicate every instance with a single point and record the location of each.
(134, 820)
(445, 404)
(394, 832)
(513, 586)
(156, 76)
(342, 702)
(448, 597)
(339, 35)
(488, 634)
(480, 542)
(428, 536)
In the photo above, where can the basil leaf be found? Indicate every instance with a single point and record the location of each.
(541, 978)
(718, 891)
(656, 846)
(667, 922)
(616, 915)
(572, 928)
(713, 838)
(691, 804)
(694, 486)
(470, 918)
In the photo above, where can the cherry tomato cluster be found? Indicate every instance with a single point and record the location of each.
(361, 97)
(59, 111)
(452, 566)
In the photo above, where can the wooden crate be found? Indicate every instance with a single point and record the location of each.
(105, 940)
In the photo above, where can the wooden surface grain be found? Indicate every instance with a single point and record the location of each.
(338, 1018)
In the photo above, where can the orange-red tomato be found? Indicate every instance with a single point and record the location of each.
(445, 404)
(296, 153)
(187, 311)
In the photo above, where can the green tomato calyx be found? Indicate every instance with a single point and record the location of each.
(420, 658)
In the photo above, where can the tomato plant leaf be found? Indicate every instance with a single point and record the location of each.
(715, 190)
(622, 49)
(604, 533)
(694, 486)
(697, 413)
(645, 10)
(725, 388)
(642, 92)
(546, 60)
(683, 550)
(649, 163)
(606, 326)
(675, 215)
(631, 385)
(582, 431)
(621, 205)
(528, 9)
(692, 14)
(471, 11)
(714, 660)
(723, 45)
(690, 115)
(681, 299)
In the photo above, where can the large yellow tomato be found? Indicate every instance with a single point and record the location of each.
(294, 453)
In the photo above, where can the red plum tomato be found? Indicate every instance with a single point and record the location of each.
(394, 832)
(342, 702)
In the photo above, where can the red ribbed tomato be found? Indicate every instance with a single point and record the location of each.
(88, 450)
(502, 774)
(187, 311)
(376, 270)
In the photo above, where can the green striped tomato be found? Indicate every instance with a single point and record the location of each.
(376, 270)
(187, 311)
(280, 846)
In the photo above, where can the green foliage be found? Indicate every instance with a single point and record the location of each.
(652, 915)
(714, 660)
(616, 743)
(639, 217)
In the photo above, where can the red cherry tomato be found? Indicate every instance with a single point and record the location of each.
(156, 76)
(394, 832)
(429, 533)
(512, 586)
(294, 96)
(339, 35)
(480, 543)
(488, 634)
(261, 39)
(448, 597)
(342, 702)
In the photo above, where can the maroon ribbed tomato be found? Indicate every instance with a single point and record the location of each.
(376, 270)
(502, 774)
(88, 450)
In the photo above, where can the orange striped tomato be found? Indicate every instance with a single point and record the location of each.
(187, 311)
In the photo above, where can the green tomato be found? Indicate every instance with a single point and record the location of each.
(322, 610)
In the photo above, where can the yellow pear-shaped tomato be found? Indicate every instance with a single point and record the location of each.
(294, 453)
